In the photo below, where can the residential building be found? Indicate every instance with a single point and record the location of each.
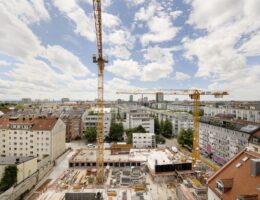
(241, 113)
(90, 119)
(144, 140)
(240, 177)
(135, 118)
(32, 136)
(26, 166)
(221, 139)
(159, 97)
(181, 120)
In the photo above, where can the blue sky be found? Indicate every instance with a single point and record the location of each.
(46, 47)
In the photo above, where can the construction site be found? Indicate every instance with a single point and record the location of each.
(129, 174)
(121, 172)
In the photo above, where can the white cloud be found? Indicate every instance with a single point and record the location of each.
(16, 38)
(120, 52)
(180, 76)
(127, 69)
(28, 11)
(84, 23)
(222, 52)
(135, 2)
(4, 63)
(161, 29)
(160, 63)
(176, 14)
(120, 37)
(251, 46)
(159, 23)
(110, 20)
(65, 61)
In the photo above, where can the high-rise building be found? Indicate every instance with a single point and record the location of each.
(63, 100)
(159, 97)
(131, 98)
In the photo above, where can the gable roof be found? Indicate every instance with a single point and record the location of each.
(243, 183)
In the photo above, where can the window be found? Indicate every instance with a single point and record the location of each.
(219, 187)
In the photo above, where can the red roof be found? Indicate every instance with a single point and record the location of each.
(243, 183)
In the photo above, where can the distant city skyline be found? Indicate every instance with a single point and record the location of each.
(46, 47)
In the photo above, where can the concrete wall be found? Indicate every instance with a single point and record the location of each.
(58, 137)
(26, 169)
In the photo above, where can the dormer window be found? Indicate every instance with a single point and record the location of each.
(224, 185)
(220, 187)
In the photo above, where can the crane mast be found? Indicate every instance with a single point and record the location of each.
(100, 100)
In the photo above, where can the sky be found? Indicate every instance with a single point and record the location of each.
(46, 47)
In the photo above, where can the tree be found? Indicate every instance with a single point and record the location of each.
(167, 128)
(139, 129)
(185, 137)
(160, 139)
(156, 126)
(90, 134)
(116, 131)
(9, 177)
(161, 126)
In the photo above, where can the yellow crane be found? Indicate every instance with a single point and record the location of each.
(100, 100)
(193, 94)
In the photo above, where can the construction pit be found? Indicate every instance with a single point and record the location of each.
(132, 174)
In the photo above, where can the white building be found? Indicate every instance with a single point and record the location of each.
(26, 166)
(223, 139)
(90, 119)
(144, 140)
(181, 120)
(135, 119)
(26, 136)
(250, 114)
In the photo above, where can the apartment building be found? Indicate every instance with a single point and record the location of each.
(32, 136)
(240, 177)
(90, 119)
(144, 140)
(135, 118)
(222, 139)
(181, 120)
(247, 113)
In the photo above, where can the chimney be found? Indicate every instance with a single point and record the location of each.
(255, 167)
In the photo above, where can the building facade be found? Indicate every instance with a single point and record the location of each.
(135, 119)
(181, 120)
(26, 136)
(144, 140)
(90, 119)
(249, 114)
(223, 139)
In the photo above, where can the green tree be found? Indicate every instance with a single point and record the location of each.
(90, 134)
(156, 126)
(185, 137)
(160, 139)
(116, 131)
(161, 126)
(9, 177)
(167, 128)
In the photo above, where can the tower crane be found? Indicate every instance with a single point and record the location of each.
(100, 100)
(194, 94)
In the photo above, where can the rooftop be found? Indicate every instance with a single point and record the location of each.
(239, 171)
(10, 160)
(36, 123)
